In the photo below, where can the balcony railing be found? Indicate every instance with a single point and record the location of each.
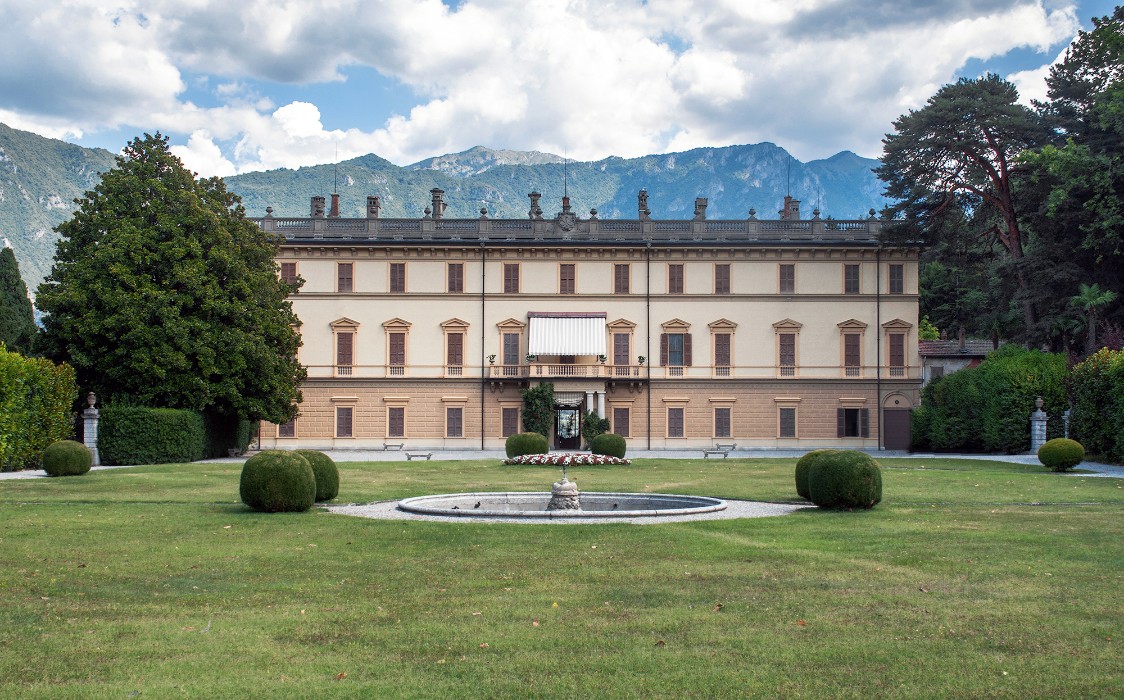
(608, 372)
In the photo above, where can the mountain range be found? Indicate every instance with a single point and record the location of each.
(40, 178)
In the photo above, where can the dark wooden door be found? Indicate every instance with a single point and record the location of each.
(895, 428)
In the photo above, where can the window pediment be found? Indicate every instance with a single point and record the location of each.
(511, 324)
(344, 324)
(397, 324)
(787, 326)
(454, 324)
(722, 324)
(620, 325)
(675, 325)
(851, 325)
(897, 324)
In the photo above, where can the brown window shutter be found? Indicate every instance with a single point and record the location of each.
(864, 422)
(687, 350)
(456, 350)
(343, 348)
(840, 422)
(663, 349)
(722, 349)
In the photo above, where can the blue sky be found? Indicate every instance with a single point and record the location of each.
(259, 85)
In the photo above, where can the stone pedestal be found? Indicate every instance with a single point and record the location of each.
(564, 496)
(1037, 427)
(90, 428)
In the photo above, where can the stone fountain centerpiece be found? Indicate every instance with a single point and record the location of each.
(564, 495)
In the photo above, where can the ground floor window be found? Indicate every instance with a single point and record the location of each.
(852, 422)
(287, 430)
(675, 428)
(786, 422)
(722, 422)
(454, 422)
(396, 422)
(509, 421)
(621, 422)
(344, 416)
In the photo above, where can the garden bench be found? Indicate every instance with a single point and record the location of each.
(728, 446)
(418, 455)
(708, 453)
(393, 445)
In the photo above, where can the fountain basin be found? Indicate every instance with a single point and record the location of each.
(532, 504)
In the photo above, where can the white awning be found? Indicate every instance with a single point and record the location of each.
(562, 333)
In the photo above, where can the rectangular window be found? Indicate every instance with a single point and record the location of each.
(675, 422)
(620, 279)
(454, 352)
(674, 350)
(850, 279)
(289, 272)
(897, 279)
(456, 278)
(852, 354)
(511, 349)
(722, 422)
(786, 423)
(397, 278)
(344, 356)
(343, 421)
(287, 430)
(675, 278)
(566, 279)
(787, 278)
(620, 421)
(396, 421)
(936, 372)
(509, 422)
(852, 422)
(343, 277)
(454, 422)
(722, 278)
(396, 353)
(621, 354)
(721, 354)
(787, 350)
(511, 278)
(897, 354)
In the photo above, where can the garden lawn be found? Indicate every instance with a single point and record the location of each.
(971, 579)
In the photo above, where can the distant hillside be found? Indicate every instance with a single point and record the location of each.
(39, 180)
(40, 177)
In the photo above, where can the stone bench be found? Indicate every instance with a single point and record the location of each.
(418, 455)
(393, 445)
(727, 446)
(708, 453)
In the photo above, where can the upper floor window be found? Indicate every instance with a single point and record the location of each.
(620, 279)
(676, 349)
(675, 278)
(344, 352)
(343, 277)
(511, 278)
(850, 279)
(721, 354)
(897, 279)
(454, 353)
(455, 278)
(786, 273)
(722, 278)
(566, 279)
(897, 354)
(852, 354)
(397, 278)
(511, 349)
(289, 272)
(786, 351)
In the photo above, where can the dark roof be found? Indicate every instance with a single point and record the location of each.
(951, 348)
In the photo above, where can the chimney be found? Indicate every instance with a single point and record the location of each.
(791, 211)
(642, 210)
(536, 210)
(373, 206)
(334, 212)
(317, 211)
(700, 208)
(438, 206)
(961, 338)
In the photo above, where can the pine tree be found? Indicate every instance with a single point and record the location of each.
(17, 319)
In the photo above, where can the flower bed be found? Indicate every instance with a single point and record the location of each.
(565, 459)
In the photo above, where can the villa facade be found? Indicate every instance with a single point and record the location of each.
(684, 334)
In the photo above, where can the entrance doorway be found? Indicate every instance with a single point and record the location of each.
(895, 427)
(567, 429)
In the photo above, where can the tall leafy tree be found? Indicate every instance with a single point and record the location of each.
(956, 157)
(1091, 299)
(163, 294)
(17, 318)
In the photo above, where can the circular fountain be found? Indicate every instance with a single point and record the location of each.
(563, 501)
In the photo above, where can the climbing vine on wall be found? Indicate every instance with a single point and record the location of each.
(538, 409)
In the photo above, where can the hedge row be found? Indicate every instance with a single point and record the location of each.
(36, 403)
(987, 408)
(136, 435)
(1097, 388)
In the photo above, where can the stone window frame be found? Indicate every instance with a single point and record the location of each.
(287, 279)
(729, 281)
(340, 277)
(344, 326)
(454, 326)
(292, 423)
(722, 326)
(863, 417)
(788, 403)
(895, 286)
(678, 278)
(573, 279)
(391, 277)
(724, 403)
(510, 405)
(516, 327)
(787, 327)
(786, 286)
(625, 406)
(676, 326)
(622, 278)
(892, 329)
(851, 327)
(390, 328)
(458, 403)
(397, 402)
(677, 403)
(627, 328)
(349, 403)
(454, 283)
(858, 279)
(512, 277)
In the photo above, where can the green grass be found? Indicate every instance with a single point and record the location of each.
(971, 579)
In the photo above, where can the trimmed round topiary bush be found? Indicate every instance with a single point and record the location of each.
(1061, 454)
(67, 458)
(526, 444)
(326, 473)
(804, 466)
(277, 481)
(609, 444)
(845, 479)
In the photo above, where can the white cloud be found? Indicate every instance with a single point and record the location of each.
(585, 77)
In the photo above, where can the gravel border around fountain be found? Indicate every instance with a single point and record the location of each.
(388, 510)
